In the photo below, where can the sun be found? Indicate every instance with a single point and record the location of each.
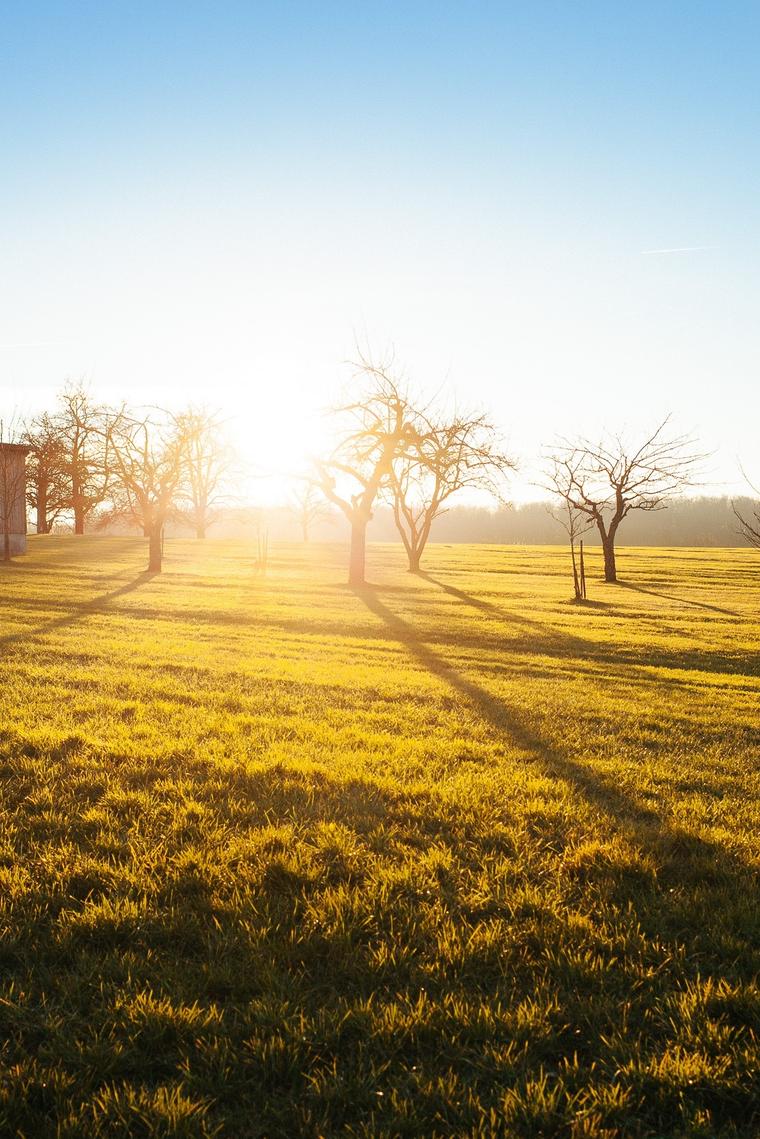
(276, 441)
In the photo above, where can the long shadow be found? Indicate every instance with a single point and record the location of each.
(548, 636)
(598, 653)
(489, 607)
(503, 718)
(605, 796)
(537, 638)
(680, 600)
(100, 604)
(467, 598)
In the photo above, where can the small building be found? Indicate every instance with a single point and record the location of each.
(13, 498)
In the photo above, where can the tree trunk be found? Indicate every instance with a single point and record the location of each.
(200, 530)
(6, 542)
(305, 531)
(419, 540)
(42, 526)
(357, 557)
(610, 569)
(576, 579)
(77, 505)
(154, 549)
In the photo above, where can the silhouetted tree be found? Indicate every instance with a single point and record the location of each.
(574, 523)
(149, 460)
(446, 457)
(607, 480)
(47, 485)
(308, 507)
(209, 465)
(80, 425)
(380, 429)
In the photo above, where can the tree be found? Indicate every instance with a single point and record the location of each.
(12, 486)
(208, 466)
(121, 509)
(605, 481)
(574, 523)
(447, 456)
(308, 507)
(380, 429)
(149, 460)
(80, 424)
(47, 490)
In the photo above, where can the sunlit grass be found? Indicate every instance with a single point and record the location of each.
(447, 856)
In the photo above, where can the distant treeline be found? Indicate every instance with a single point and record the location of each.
(684, 522)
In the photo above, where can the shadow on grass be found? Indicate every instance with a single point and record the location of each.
(100, 604)
(546, 635)
(646, 825)
(680, 600)
(208, 912)
(498, 611)
(552, 641)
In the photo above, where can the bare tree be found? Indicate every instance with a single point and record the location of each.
(446, 457)
(80, 423)
(380, 429)
(575, 524)
(122, 508)
(13, 454)
(308, 507)
(605, 481)
(149, 460)
(209, 464)
(47, 488)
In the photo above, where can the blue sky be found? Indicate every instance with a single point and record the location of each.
(215, 201)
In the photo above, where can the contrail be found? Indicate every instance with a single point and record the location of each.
(680, 249)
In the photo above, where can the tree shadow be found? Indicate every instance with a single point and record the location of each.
(460, 594)
(501, 717)
(100, 604)
(488, 607)
(256, 935)
(552, 639)
(680, 600)
(643, 823)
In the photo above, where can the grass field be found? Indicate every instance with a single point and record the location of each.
(449, 856)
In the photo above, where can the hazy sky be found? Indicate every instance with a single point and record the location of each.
(550, 208)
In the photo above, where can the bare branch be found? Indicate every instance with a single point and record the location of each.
(448, 456)
(605, 481)
(378, 428)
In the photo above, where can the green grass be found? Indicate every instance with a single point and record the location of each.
(449, 856)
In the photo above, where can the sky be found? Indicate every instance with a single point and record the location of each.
(547, 210)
